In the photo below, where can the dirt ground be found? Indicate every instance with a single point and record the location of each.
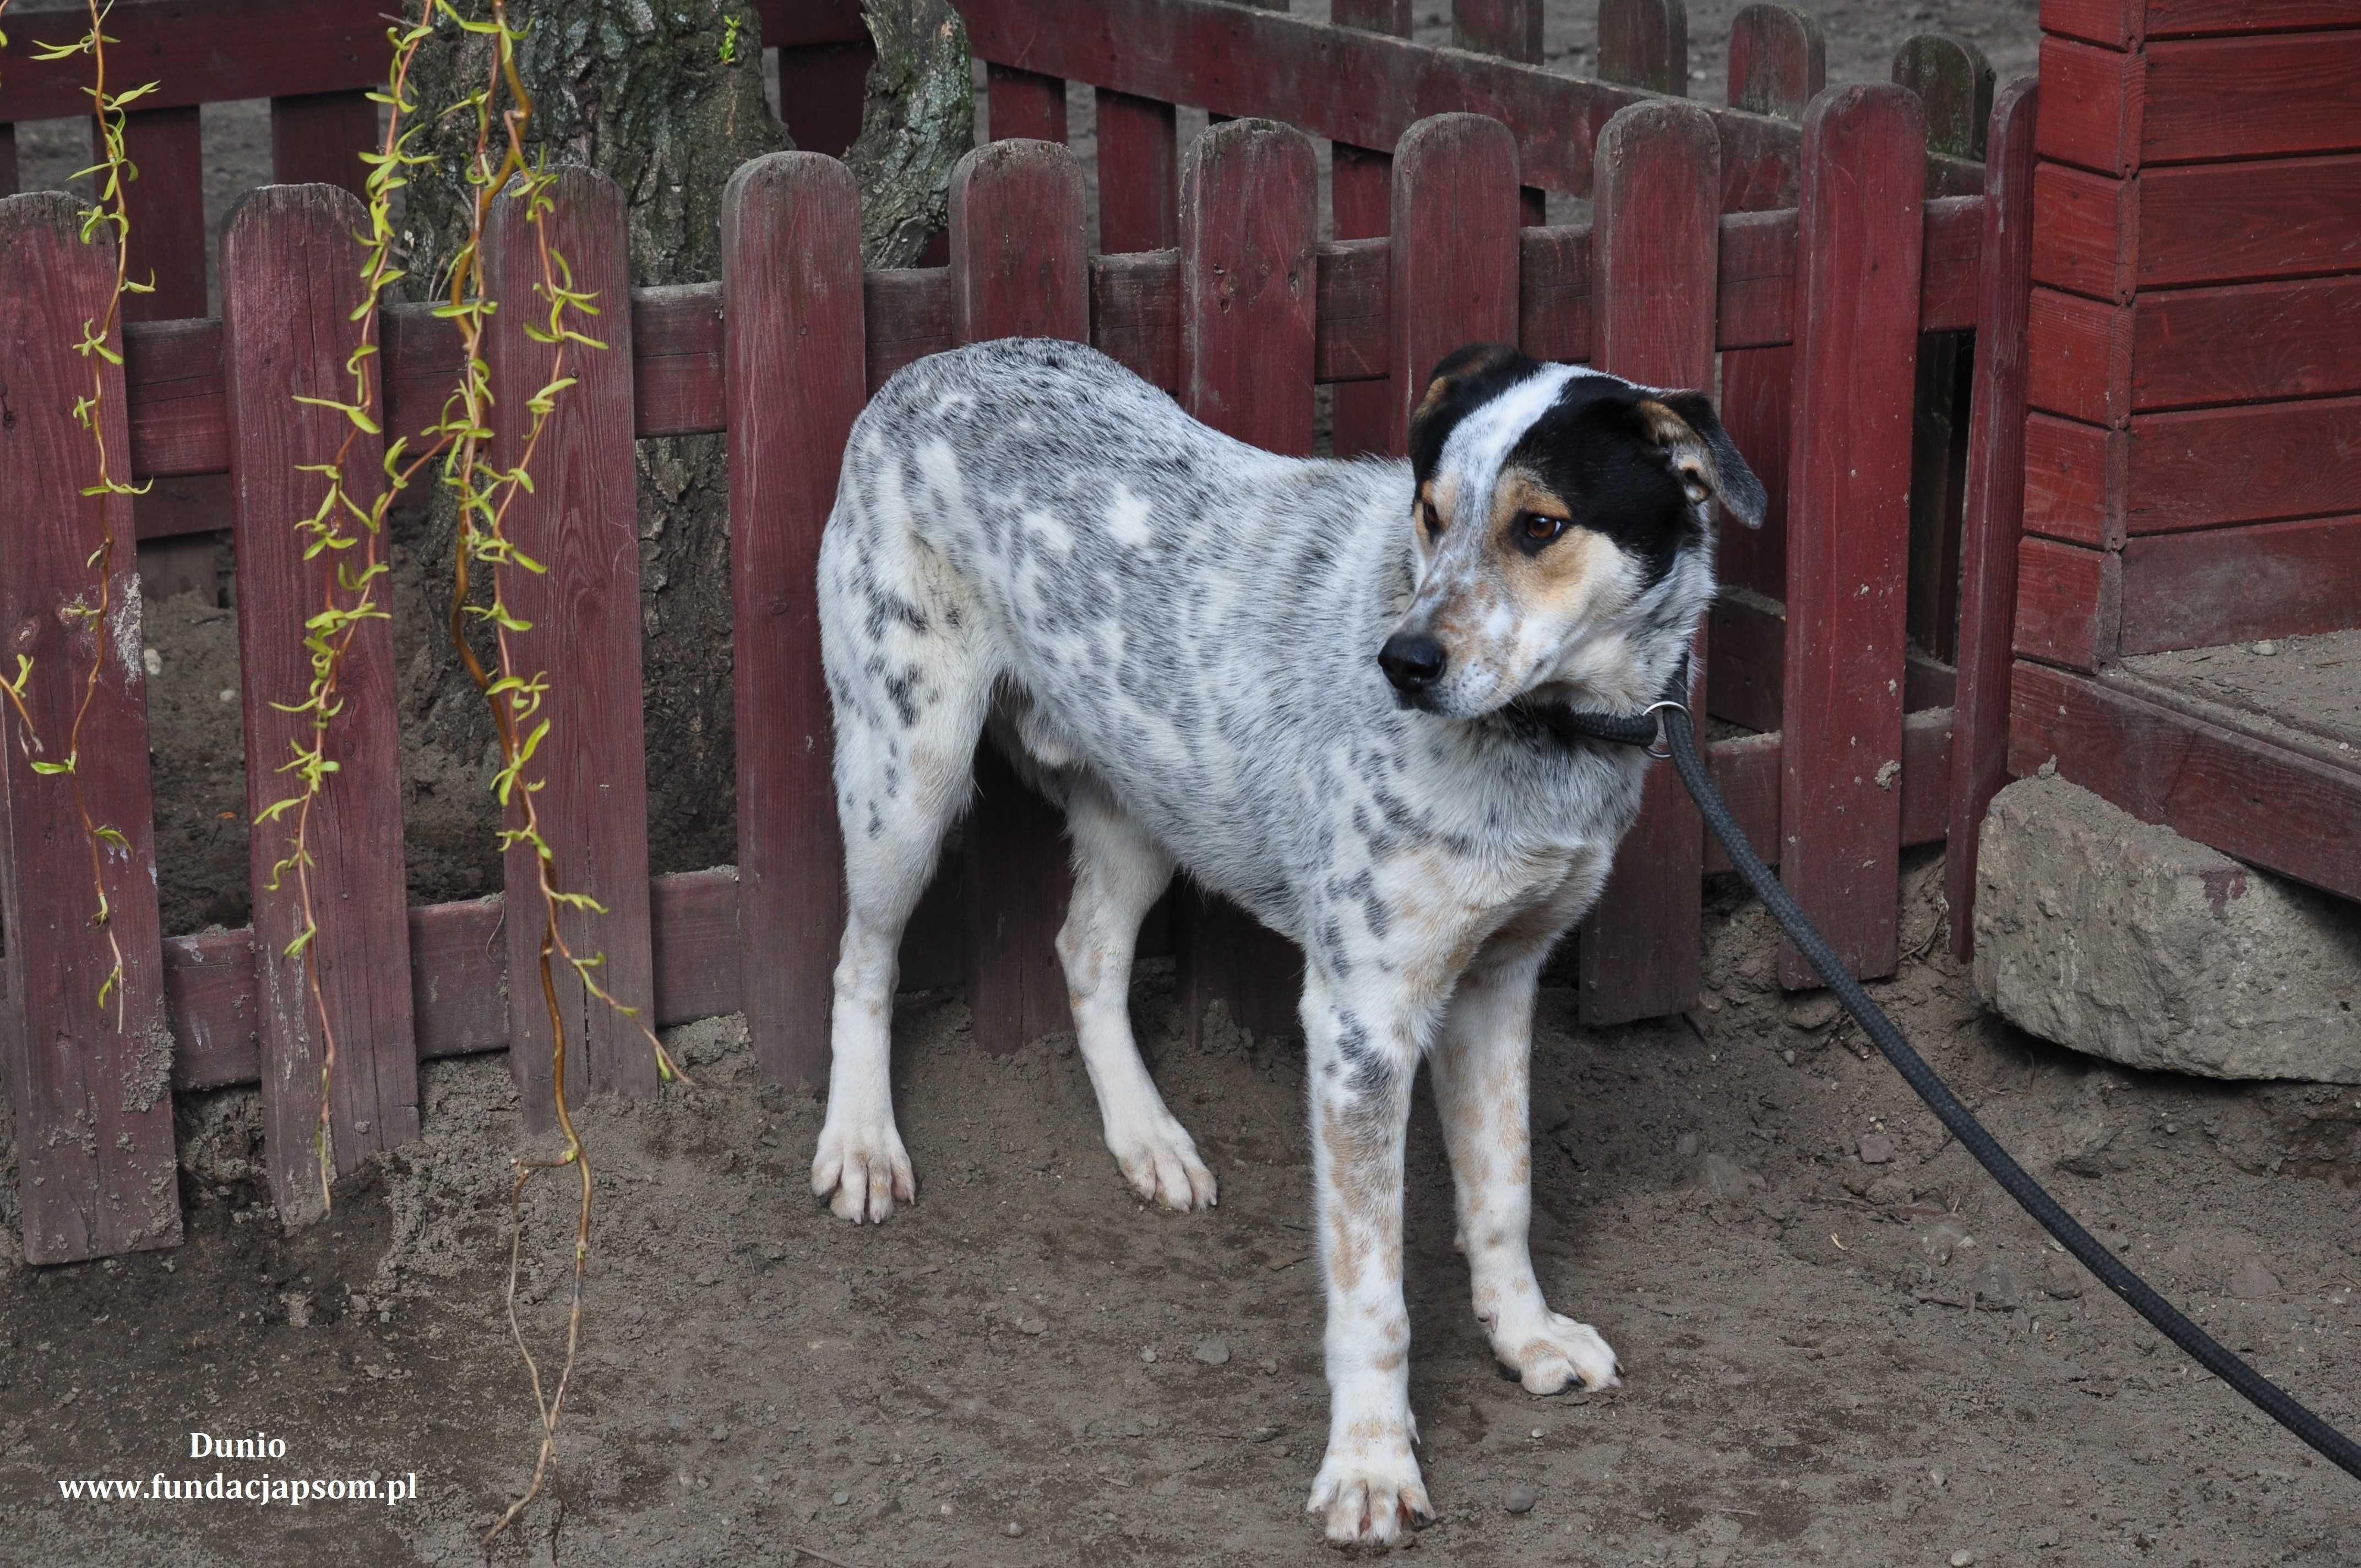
(1829, 1362)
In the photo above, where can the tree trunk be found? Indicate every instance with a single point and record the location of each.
(642, 93)
(920, 120)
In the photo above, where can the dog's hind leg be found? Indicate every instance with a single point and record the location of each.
(1482, 1087)
(909, 682)
(1118, 872)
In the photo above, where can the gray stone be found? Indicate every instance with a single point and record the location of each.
(1212, 1353)
(1521, 1498)
(2128, 941)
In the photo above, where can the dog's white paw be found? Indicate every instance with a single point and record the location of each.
(863, 1171)
(1367, 1490)
(1160, 1159)
(1555, 1354)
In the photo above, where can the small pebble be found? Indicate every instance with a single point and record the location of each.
(1147, 1352)
(841, 1498)
(228, 695)
(1964, 1559)
(1937, 1475)
(1212, 1353)
(1012, 1529)
(2267, 648)
(1537, 1432)
(945, 1511)
(1032, 1325)
(1521, 1498)
(1268, 1366)
(152, 661)
(1787, 1057)
(1876, 1148)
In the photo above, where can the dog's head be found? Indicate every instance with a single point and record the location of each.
(1564, 527)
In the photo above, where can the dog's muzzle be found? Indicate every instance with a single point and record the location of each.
(1413, 662)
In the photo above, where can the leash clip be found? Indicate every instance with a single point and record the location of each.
(1652, 709)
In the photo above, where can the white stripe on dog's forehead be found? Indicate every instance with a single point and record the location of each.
(1481, 442)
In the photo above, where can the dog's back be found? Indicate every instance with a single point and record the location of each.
(1139, 590)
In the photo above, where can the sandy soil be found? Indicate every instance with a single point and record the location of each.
(1829, 1362)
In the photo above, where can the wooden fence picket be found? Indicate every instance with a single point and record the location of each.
(1512, 31)
(1778, 64)
(1024, 105)
(166, 207)
(1138, 174)
(1454, 250)
(319, 137)
(1995, 500)
(90, 1077)
(1954, 80)
(1856, 286)
(791, 296)
(1656, 237)
(290, 282)
(1018, 270)
(581, 519)
(1361, 198)
(1249, 209)
(1644, 43)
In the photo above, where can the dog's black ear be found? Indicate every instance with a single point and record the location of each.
(1463, 378)
(1703, 452)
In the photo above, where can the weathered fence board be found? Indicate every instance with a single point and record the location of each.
(580, 519)
(1248, 217)
(1455, 249)
(1997, 474)
(88, 1063)
(179, 420)
(1018, 270)
(791, 286)
(1778, 64)
(1641, 43)
(1656, 243)
(1361, 200)
(1847, 520)
(290, 283)
(1138, 174)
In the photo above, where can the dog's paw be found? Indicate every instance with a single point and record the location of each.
(862, 1172)
(1557, 1354)
(1367, 1494)
(1160, 1159)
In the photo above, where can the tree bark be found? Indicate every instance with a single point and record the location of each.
(918, 121)
(641, 92)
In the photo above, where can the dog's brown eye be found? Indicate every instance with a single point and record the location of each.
(1541, 527)
(1430, 517)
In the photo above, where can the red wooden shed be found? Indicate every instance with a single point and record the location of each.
(2188, 632)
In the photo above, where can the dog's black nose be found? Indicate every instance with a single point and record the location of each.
(1412, 660)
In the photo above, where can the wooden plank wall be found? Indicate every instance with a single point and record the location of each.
(2196, 323)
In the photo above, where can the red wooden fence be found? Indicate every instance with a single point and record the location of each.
(1230, 304)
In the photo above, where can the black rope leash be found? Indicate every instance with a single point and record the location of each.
(1680, 739)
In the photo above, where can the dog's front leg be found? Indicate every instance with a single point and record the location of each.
(1482, 1068)
(1362, 1056)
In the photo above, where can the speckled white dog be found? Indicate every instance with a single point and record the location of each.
(1311, 684)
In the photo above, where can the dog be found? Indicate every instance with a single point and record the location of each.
(1319, 686)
